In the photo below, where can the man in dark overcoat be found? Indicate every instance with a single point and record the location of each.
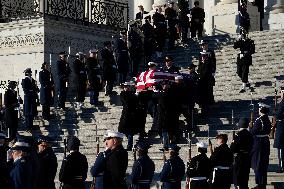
(109, 67)
(183, 18)
(117, 161)
(261, 146)
(221, 161)
(244, 60)
(63, 72)
(11, 111)
(169, 65)
(81, 76)
(141, 14)
(206, 71)
(279, 134)
(197, 19)
(171, 17)
(241, 147)
(149, 39)
(47, 164)
(143, 168)
(94, 76)
(74, 168)
(30, 96)
(173, 170)
(121, 55)
(46, 90)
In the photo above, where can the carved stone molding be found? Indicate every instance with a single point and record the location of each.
(29, 40)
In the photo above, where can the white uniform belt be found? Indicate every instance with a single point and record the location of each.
(143, 181)
(261, 136)
(198, 178)
(218, 168)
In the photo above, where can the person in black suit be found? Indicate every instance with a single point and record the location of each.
(197, 20)
(159, 22)
(141, 13)
(169, 67)
(171, 17)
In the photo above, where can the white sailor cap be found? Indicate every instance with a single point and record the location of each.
(152, 64)
(178, 77)
(21, 146)
(113, 134)
(79, 53)
(201, 145)
(262, 105)
(93, 51)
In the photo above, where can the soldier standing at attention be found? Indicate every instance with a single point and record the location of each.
(74, 168)
(173, 169)
(197, 20)
(46, 88)
(117, 161)
(81, 76)
(261, 146)
(30, 107)
(279, 134)
(171, 17)
(143, 168)
(241, 147)
(63, 72)
(199, 168)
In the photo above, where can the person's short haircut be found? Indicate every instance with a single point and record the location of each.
(223, 137)
(196, 3)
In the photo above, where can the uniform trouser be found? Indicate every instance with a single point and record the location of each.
(94, 97)
(243, 71)
(46, 111)
(130, 141)
(62, 94)
(196, 27)
(184, 31)
(199, 184)
(186, 110)
(29, 121)
(81, 89)
(172, 37)
(222, 179)
(281, 158)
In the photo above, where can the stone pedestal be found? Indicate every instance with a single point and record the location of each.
(225, 17)
(276, 16)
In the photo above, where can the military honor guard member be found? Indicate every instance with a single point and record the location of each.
(197, 20)
(169, 65)
(30, 96)
(171, 17)
(46, 90)
(199, 168)
(47, 163)
(81, 76)
(221, 161)
(74, 168)
(143, 168)
(11, 109)
(117, 161)
(261, 146)
(141, 14)
(63, 72)
(173, 169)
(279, 134)
(241, 147)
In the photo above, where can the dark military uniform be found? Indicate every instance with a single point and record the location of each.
(183, 18)
(279, 134)
(244, 59)
(171, 16)
(30, 107)
(241, 148)
(222, 160)
(81, 76)
(73, 172)
(206, 69)
(20, 174)
(199, 170)
(159, 21)
(99, 168)
(121, 53)
(47, 169)
(109, 69)
(261, 149)
(46, 97)
(197, 20)
(142, 173)
(116, 166)
(172, 173)
(11, 113)
(94, 77)
(149, 40)
(63, 72)
(140, 15)
(244, 20)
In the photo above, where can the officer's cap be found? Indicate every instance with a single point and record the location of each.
(143, 145)
(3, 136)
(113, 134)
(174, 147)
(20, 146)
(201, 145)
(64, 53)
(43, 138)
(191, 66)
(73, 143)
(243, 122)
(203, 42)
(28, 70)
(262, 105)
(80, 54)
(150, 64)
(178, 77)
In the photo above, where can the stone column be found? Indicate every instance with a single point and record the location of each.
(276, 16)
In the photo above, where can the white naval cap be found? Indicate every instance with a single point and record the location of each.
(201, 145)
(178, 77)
(113, 134)
(152, 63)
(262, 105)
(79, 53)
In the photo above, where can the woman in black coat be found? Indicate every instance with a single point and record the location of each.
(128, 117)
(46, 96)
